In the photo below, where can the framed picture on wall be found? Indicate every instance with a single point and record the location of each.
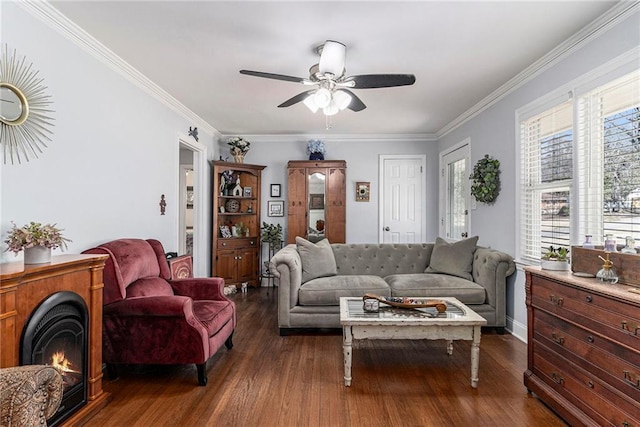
(362, 191)
(275, 190)
(275, 208)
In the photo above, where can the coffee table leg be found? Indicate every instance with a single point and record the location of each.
(475, 356)
(449, 347)
(347, 340)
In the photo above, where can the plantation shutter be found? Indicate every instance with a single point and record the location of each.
(546, 172)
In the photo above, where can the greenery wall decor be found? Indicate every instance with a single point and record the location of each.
(486, 180)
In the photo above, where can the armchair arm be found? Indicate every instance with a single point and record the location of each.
(160, 306)
(29, 395)
(203, 288)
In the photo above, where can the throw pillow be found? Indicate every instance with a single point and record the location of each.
(317, 259)
(455, 259)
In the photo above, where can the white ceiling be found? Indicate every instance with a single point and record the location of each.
(460, 52)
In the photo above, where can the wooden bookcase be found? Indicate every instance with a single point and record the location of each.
(326, 200)
(236, 258)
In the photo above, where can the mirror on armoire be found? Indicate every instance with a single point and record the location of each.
(316, 207)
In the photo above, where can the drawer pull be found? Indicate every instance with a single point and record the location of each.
(590, 339)
(630, 327)
(632, 379)
(557, 378)
(626, 424)
(557, 339)
(556, 300)
(589, 298)
(590, 384)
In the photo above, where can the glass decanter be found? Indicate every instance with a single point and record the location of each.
(607, 274)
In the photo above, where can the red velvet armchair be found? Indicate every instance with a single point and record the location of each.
(150, 319)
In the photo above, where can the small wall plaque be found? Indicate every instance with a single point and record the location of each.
(362, 191)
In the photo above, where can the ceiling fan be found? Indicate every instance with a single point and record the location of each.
(332, 88)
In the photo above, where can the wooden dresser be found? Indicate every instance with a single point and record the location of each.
(583, 348)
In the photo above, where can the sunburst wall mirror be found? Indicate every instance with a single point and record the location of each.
(25, 109)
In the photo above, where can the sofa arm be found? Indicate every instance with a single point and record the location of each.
(29, 395)
(490, 270)
(287, 267)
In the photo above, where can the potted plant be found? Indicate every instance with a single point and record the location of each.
(555, 259)
(272, 234)
(315, 149)
(37, 240)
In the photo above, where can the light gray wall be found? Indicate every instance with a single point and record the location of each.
(493, 132)
(362, 157)
(114, 152)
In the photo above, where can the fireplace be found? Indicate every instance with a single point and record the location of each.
(56, 334)
(59, 293)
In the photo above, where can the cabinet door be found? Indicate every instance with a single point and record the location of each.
(297, 204)
(247, 265)
(226, 265)
(336, 203)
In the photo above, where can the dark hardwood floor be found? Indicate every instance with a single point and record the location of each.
(269, 380)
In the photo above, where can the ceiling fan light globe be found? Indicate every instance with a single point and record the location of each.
(331, 109)
(332, 58)
(342, 99)
(322, 97)
(310, 102)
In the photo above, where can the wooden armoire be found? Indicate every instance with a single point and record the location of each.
(316, 200)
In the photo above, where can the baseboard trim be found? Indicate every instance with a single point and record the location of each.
(517, 329)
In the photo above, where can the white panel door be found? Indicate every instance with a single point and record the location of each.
(402, 199)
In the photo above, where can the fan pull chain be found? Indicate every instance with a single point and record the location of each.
(327, 122)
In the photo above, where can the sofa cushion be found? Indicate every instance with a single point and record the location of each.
(317, 259)
(436, 285)
(455, 259)
(328, 290)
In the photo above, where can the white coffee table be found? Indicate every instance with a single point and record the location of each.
(459, 322)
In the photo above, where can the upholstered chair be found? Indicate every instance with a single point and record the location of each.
(151, 319)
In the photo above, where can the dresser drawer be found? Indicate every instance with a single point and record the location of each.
(596, 399)
(621, 367)
(237, 243)
(603, 315)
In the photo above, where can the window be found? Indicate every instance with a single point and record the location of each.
(580, 169)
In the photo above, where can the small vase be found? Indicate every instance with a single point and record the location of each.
(37, 255)
(239, 158)
(316, 156)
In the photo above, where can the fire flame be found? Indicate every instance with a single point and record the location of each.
(59, 360)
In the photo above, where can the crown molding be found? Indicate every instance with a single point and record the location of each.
(387, 138)
(600, 25)
(48, 14)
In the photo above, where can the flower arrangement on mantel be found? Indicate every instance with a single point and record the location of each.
(35, 234)
(239, 148)
(315, 149)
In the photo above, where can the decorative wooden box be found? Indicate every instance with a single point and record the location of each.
(627, 266)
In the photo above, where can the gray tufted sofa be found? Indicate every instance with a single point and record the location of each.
(387, 270)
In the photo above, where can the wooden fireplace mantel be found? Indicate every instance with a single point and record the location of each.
(22, 288)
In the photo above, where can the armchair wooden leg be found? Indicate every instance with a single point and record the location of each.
(112, 372)
(202, 374)
(229, 342)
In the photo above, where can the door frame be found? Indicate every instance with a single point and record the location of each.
(465, 144)
(200, 259)
(423, 164)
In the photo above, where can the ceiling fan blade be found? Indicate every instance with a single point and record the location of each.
(356, 103)
(294, 100)
(332, 58)
(273, 76)
(372, 81)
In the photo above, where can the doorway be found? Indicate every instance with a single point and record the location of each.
(191, 209)
(402, 198)
(454, 192)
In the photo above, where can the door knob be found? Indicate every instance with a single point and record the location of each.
(387, 229)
